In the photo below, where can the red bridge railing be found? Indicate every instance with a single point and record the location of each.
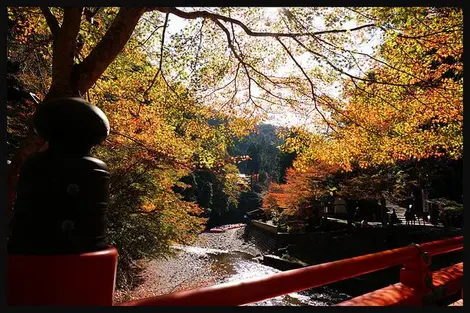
(417, 286)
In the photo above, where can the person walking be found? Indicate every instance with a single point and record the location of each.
(383, 204)
(393, 218)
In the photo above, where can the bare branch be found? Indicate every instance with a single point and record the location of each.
(51, 21)
(162, 45)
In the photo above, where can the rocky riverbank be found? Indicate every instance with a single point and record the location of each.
(232, 240)
(218, 258)
(190, 267)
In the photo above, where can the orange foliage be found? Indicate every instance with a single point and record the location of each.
(301, 188)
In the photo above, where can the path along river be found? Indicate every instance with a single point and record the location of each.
(218, 258)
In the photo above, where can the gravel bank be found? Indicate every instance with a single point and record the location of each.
(190, 267)
(231, 240)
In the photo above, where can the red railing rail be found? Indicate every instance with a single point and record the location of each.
(240, 293)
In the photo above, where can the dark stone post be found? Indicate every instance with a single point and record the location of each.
(57, 249)
(62, 193)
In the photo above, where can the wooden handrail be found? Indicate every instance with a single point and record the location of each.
(239, 293)
(443, 246)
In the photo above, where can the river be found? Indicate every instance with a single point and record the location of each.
(220, 258)
(236, 266)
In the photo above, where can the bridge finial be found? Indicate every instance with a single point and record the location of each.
(71, 123)
(62, 193)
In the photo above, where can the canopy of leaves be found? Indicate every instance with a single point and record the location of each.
(414, 107)
(398, 120)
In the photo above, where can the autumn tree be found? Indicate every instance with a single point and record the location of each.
(420, 120)
(420, 114)
(399, 102)
(404, 111)
(303, 188)
(152, 145)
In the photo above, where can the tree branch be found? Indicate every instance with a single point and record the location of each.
(89, 15)
(108, 48)
(309, 81)
(214, 17)
(157, 155)
(169, 87)
(352, 52)
(149, 36)
(235, 89)
(64, 47)
(161, 57)
(223, 87)
(237, 56)
(193, 66)
(314, 97)
(344, 72)
(51, 21)
(243, 64)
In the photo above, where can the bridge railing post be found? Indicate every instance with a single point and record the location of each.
(57, 249)
(417, 275)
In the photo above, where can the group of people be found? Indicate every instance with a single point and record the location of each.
(410, 216)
